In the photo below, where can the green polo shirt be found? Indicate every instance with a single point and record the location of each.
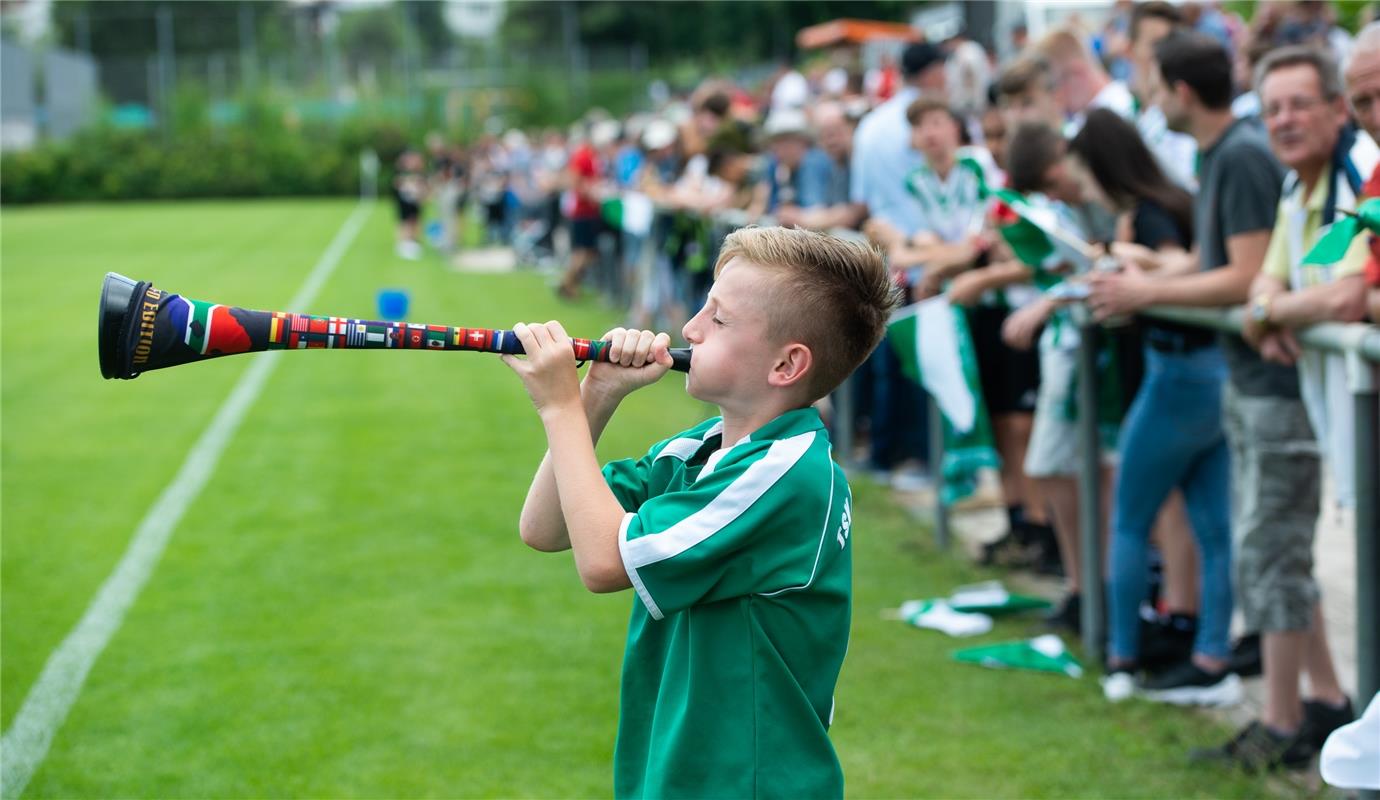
(741, 562)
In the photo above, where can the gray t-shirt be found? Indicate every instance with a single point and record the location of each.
(1239, 188)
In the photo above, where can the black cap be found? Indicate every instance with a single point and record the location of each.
(918, 57)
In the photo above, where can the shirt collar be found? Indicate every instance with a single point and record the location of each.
(792, 423)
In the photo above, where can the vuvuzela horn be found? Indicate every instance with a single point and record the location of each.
(143, 328)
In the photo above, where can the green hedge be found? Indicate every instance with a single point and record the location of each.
(105, 163)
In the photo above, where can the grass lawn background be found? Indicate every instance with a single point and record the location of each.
(346, 610)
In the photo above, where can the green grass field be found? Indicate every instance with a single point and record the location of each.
(346, 609)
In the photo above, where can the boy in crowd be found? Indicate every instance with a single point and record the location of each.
(952, 187)
(735, 534)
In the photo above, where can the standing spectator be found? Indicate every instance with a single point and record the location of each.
(409, 190)
(1081, 82)
(1305, 114)
(1176, 152)
(1363, 94)
(1313, 23)
(1172, 436)
(952, 186)
(835, 129)
(1025, 93)
(796, 174)
(1038, 167)
(584, 174)
(883, 156)
(1233, 215)
(882, 152)
(968, 73)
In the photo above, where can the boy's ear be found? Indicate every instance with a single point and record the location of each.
(792, 363)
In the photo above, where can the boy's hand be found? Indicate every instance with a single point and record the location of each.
(636, 359)
(548, 371)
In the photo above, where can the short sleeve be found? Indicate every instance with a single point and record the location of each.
(1249, 195)
(628, 479)
(752, 525)
(1276, 261)
(1155, 228)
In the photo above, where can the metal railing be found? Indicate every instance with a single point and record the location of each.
(1360, 344)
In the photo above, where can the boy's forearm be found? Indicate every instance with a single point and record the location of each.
(542, 523)
(592, 514)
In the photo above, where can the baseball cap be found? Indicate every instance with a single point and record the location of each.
(918, 57)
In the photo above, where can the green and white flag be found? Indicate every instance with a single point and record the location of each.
(1038, 236)
(991, 597)
(1042, 654)
(1332, 247)
(935, 348)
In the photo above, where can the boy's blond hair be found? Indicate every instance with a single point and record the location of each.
(830, 294)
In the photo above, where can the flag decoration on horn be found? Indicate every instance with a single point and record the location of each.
(143, 328)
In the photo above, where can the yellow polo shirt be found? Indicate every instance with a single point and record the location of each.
(1277, 260)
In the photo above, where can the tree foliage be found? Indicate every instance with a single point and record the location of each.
(689, 29)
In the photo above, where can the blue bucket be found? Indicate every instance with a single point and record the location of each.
(393, 304)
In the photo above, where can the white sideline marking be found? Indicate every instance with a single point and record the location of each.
(25, 744)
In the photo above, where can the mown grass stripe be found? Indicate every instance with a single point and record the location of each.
(24, 746)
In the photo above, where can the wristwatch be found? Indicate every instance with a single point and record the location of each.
(1260, 308)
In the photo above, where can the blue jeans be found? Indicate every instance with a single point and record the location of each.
(1173, 437)
(900, 411)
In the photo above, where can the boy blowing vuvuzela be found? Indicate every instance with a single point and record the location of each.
(735, 533)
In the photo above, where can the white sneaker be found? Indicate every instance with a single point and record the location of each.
(1118, 686)
(1187, 684)
(911, 480)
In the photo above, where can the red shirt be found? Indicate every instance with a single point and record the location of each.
(1372, 268)
(585, 164)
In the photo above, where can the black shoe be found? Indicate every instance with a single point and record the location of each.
(1068, 616)
(1048, 562)
(1245, 656)
(1255, 748)
(1321, 719)
(1008, 551)
(1187, 684)
(1167, 641)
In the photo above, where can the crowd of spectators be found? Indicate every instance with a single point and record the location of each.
(1203, 153)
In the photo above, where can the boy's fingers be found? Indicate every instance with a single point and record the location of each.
(635, 350)
(511, 361)
(541, 334)
(615, 340)
(644, 347)
(661, 349)
(524, 335)
(557, 333)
